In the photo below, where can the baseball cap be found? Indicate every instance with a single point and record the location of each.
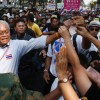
(54, 16)
(94, 23)
(4, 15)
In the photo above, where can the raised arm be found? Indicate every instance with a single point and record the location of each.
(54, 95)
(63, 82)
(51, 38)
(79, 21)
(83, 31)
(82, 81)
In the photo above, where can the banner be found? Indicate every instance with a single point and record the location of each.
(50, 6)
(60, 5)
(72, 4)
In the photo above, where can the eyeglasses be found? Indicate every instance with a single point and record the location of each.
(4, 32)
(92, 29)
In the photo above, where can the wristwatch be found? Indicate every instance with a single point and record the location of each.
(64, 80)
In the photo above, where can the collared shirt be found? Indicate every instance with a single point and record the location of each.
(16, 49)
(5, 45)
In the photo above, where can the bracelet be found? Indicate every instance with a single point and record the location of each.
(45, 70)
(57, 35)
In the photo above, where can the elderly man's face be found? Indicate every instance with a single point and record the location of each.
(4, 34)
(94, 30)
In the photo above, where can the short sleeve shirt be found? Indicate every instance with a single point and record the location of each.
(36, 29)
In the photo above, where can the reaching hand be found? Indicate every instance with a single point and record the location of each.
(68, 23)
(78, 21)
(61, 63)
(43, 53)
(64, 32)
(46, 76)
(82, 31)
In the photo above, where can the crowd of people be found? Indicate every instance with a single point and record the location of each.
(48, 56)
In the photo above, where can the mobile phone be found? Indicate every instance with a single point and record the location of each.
(95, 74)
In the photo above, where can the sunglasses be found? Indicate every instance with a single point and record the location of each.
(92, 29)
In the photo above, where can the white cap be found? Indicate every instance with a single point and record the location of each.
(94, 23)
(54, 16)
(4, 15)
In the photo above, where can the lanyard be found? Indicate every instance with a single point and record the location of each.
(4, 53)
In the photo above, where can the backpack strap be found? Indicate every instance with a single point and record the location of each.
(74, 42)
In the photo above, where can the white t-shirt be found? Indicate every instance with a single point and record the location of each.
(10, 16)
(52, 50)
(79, 45)
(82, 50)
(17, 48)
(72, 30)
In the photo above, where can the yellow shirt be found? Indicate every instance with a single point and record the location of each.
(36, 29)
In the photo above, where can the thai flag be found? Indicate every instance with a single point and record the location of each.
(70, 11)
(9, 56)
(62, 10)
(81, 10)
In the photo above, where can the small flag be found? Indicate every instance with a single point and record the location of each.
(9, 56)
(62, 10)
(70, 11)
(82, 10)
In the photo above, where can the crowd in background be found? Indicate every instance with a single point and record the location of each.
(37, 69)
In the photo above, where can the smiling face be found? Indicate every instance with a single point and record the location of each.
(4, 34)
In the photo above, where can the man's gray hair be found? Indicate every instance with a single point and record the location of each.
(5, 23)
